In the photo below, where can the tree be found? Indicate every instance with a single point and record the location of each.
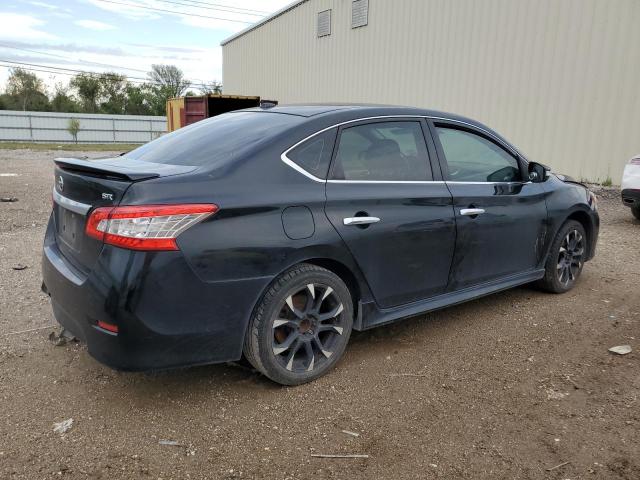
(8, 102)
(88, 87)
(62, 101)
(166, 81)
(170, 79)
(73, 128)
(27, 88)
(138, 100)
(113, 93)
(214, 87)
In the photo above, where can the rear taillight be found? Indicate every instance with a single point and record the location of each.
(635, 161)
(148, 227)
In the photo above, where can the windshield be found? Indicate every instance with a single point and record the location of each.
(214, 140)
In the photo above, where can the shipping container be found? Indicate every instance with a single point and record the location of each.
(184, 111)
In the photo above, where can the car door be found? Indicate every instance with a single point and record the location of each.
(501, 217)
(392, 210)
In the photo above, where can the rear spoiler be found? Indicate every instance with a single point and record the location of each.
(121, 168)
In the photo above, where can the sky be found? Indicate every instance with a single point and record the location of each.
(126, 36)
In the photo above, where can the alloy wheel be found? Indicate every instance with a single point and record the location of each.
(308, 328)
(571, 256)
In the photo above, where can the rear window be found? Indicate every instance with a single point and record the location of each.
(214, 140)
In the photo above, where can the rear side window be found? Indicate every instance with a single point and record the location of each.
(314, 155)
(214, 140)
(383, 151)
(473, 158)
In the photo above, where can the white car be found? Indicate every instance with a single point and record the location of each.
(631, 186)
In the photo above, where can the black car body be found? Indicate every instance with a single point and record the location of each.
(377, 205)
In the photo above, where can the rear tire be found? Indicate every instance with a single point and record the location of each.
(300, 328)
(635, 210)
(566, 258)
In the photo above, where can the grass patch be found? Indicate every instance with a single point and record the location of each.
(607, 182)
(69, 147)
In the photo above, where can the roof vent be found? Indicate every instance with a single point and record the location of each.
(324, 23)
(359, 13)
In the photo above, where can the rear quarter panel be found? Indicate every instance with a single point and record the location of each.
(246, 238)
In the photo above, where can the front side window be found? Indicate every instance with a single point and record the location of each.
(314, 155)
(383, 151)
(473, 158)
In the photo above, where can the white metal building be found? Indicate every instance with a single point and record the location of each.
(559, 78)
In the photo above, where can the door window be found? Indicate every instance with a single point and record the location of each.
(382, 151)
(473, 158)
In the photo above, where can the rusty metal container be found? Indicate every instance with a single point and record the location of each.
(184, 111)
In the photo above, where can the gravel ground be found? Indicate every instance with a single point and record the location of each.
(507, 386)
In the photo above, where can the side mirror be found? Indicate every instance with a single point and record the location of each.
(538, 172)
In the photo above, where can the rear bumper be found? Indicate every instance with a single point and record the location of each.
(631, 197)
(166, 316)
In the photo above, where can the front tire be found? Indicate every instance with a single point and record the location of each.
(635, 210)
(301, 326)
(566, 258)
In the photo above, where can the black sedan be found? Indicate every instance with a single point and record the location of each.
(271, 234)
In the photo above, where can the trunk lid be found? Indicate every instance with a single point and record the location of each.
(81, 185)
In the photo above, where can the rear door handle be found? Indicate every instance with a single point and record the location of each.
(360, 220)
(470, 212)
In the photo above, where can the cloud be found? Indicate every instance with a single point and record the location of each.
(48, 6)
(127, 11)
(222, 17)
(167, 48)
(62, 47)
(94, 25)
(18, 26)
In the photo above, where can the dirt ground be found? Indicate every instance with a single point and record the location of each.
(508, 386)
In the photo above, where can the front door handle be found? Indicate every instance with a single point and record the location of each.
(470, 212)
(360, 220)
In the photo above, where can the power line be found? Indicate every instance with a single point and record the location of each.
(174, 12)
(72, 72)
(69, 74)
(61, 68)
(263, 12)
(2, 45)
(194, 5)
(31, 69)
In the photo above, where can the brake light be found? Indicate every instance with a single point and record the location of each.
(148, 227)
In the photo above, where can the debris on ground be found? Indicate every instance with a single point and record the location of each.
(329, 455)
(20, 267)
(27, 331)
(8, 174)
(353, 434)
(64, 337)
(558, 466)
(8, 199)
(63, 427)
(555, 395)
(621, 349)
(572, 382)
(170, 443)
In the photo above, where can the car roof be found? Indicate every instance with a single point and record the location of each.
(357, 110)
(325, 114)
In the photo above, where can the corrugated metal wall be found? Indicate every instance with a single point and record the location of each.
(559, 78)
(94, 128)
